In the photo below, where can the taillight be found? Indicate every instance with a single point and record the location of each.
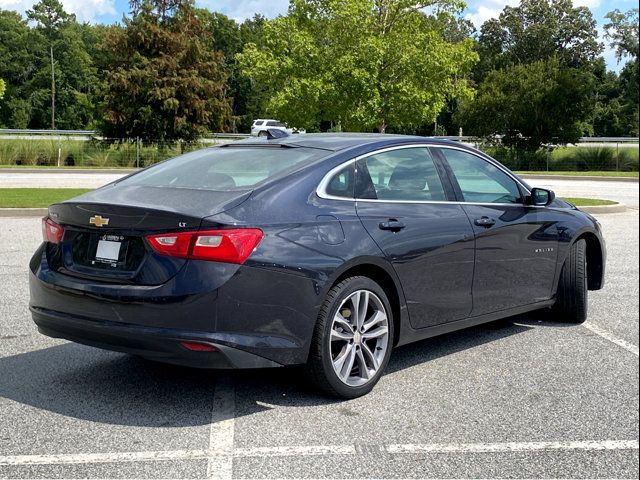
(51, 231)
(230, 246)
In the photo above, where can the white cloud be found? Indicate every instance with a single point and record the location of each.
(480, 13)
(240, 10)
(85, 10)
(587, 3)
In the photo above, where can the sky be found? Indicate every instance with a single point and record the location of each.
(478, 11)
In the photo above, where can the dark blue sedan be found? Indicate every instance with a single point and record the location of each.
(326, 250)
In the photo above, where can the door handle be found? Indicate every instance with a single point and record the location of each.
(392, 224)
(485, 222)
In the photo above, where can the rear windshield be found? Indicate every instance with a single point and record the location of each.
(225, 169)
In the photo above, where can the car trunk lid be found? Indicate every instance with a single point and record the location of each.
(105, 230)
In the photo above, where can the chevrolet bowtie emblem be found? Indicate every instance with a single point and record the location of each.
(98, 221)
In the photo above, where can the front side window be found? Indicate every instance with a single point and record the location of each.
(273, 123)
(479, 180)
(407, 174)
(225, 169)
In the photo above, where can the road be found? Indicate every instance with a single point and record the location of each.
(520, 398)
(625, 192)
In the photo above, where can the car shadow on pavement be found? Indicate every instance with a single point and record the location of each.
(106, 387)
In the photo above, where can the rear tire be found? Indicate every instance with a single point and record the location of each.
(571, 297)
(353, 339)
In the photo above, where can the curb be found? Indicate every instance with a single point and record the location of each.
(580, 178)
(23, 212)
(596, 209)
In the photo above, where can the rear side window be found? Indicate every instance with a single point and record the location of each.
(479, 180)
(275, 124)
(225, 169)
(257, 123)
(341, 184)
(407, 174)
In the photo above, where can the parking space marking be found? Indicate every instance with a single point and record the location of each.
(612, 338)
(118, 457)
(515, 447)
(220, 463)
(221, 434)
(293, 451)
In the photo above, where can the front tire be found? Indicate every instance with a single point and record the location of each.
(353, 338)
(571, 297)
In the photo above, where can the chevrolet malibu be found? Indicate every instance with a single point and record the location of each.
(327, 250)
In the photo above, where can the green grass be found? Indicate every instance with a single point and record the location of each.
(587, 202)
(582, 173)
(65, 167)
(36, 197)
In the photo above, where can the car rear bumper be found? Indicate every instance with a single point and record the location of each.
(266, 314)
(159, 344)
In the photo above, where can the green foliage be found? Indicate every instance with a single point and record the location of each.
(92, 153)
(622, 32)
(537, 30)
(163, 83)
(2, 87)
(366, 64)
(531, 105)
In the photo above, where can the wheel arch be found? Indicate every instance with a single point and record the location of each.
(595, 259)
(385, 277)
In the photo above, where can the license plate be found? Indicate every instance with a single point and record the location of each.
(108, 250)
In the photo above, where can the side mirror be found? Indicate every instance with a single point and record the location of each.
(541, 197)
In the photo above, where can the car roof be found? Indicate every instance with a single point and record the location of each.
(340, 141)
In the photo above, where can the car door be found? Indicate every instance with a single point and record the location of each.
(516, 244)
(402, 201)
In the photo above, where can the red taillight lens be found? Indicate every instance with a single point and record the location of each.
(198, 347)
(230, 246)
(51, 231)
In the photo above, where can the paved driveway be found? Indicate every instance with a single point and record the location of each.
(520, 398)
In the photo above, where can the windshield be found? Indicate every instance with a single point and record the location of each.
(225, 169)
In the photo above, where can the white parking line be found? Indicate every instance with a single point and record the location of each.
(117, 457)
(612, 338)
(589, 445)
(220, 465)
(294, 451)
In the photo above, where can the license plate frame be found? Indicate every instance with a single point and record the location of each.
(108, 251)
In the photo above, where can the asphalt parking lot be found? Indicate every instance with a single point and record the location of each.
(519, 398)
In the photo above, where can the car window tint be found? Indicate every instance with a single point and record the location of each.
(341, 184)
(258, 123)
(224, 169)
(275, 124)
(406, 174)
(479, 180)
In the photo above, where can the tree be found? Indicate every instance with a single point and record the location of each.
(163, 81)
(622, 32)
(537, 30)
(50, 17)
(364, 64)
(1, 88)
(531, 105)
(19, 61)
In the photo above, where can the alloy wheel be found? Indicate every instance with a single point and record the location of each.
(359, 338)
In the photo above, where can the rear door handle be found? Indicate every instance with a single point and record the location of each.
(392, 224)
(485, 222)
